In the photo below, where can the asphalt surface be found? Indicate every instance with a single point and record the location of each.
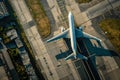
(101, 8)
(42, 57)
(35, 41)
(87, 70)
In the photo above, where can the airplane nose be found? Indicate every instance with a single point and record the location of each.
(70, 13)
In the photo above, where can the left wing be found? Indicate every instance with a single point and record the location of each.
(80, 33)
(64, 34)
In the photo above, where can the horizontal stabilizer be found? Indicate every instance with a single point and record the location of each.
(63, 55)
(80, 56)
(71, 56)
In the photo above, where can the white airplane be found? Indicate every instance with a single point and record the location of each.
(73, 33)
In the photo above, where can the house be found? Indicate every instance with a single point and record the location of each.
(18, 42)
(3, 10)
(12, 34)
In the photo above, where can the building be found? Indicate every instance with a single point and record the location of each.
(3, 10)
(12, 34)
(18, 42)
(28, 66)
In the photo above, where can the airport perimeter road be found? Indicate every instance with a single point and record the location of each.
(101, 8)
(34, 39)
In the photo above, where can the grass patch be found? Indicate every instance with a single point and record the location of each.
(83, 1)
(40, 17)
(112, 27)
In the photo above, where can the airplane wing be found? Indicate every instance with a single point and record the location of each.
(64, 34)
(80, 33)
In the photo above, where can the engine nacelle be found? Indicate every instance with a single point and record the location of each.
(81, 28)
(62, 29)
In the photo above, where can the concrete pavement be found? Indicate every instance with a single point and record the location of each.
(34, 38)
(42, 55)
(101, 8)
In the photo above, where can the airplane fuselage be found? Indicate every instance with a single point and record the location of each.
(72, 33)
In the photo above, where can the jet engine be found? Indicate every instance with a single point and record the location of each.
(81, 28)
(62, 29)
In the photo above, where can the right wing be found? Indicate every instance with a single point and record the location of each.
(64, 34)
(80, 33)
(86, 35)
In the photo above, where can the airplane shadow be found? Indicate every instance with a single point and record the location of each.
(98, 50)
(91, 49)
(63, 54)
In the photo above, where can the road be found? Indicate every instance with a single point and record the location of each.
(45, 56)
(52, 21)
(34, 38)
(45, 60)
(101, 8)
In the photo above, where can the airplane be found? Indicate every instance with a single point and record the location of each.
(73, 33)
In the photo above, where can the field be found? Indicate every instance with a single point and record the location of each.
(112, 29)
(83, 1)
(40, 17)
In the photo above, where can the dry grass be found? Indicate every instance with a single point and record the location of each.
(112, 27)
(83, 1)
(40, 17)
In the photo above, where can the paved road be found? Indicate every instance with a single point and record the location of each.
(50, 17)
(45, 60)
(34, 38)
(101, 8)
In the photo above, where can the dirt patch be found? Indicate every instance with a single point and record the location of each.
(40, 17)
